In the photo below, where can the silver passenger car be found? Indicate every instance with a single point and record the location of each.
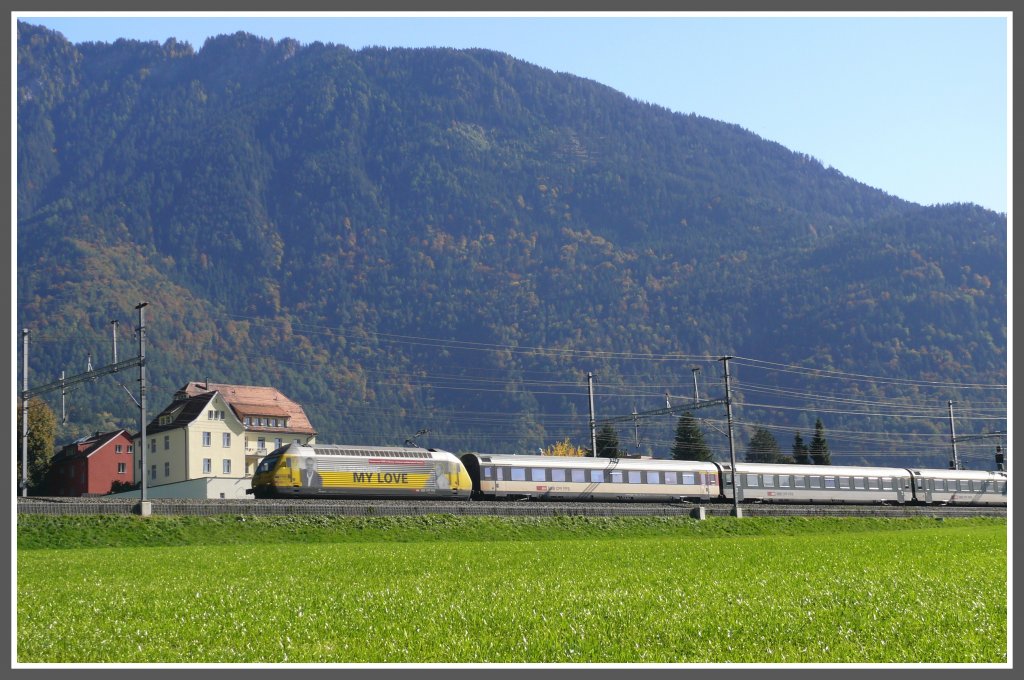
(764, 482)
(573, 478)
(960, 487)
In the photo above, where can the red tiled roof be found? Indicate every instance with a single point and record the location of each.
(249, 400)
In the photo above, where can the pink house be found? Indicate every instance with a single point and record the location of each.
(92, 464)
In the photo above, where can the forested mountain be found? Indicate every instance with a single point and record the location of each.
(406, 239)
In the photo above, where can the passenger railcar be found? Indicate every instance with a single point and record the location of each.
(336, 471)
(959, 487)
(579, 478)
(774, 483)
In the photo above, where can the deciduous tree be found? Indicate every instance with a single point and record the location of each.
(42, 431)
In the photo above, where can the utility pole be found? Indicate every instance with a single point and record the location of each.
(593, 422)
(955, 463)
(732, 446)
(144, 507)
(636, 429)
(24, 412)
(114, 324)
(696, 396)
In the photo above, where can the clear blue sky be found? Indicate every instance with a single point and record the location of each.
(914, 105)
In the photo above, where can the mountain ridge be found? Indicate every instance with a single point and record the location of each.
(466, 197)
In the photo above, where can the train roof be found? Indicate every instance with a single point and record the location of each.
(362, 451)
(796, 469)
(591, 462)
(958, 474)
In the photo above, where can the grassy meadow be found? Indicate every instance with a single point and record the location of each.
(446, 590)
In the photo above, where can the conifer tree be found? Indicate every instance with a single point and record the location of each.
(689, 443)
(819, 446)
(801, 454)
(763, 448)
(608, 442)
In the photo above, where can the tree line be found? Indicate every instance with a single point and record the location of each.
(689, 444)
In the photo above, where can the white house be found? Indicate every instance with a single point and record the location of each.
(208, 441)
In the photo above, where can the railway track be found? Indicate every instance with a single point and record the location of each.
(381, 508)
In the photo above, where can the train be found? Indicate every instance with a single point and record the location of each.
(350, 471)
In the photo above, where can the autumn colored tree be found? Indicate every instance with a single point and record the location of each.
(42, 431)
(564, 448)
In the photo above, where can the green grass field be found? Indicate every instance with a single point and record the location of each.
(445, 589)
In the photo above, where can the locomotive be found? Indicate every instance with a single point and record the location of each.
(352, 471)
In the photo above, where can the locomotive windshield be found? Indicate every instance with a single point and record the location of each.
(268, 463)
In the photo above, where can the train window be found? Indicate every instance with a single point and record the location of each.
(1001, 487)
(751, 480)
(579, 476)
(727, 479)
(858, 482)
(671, 478)
(799, 481)
(688, 478)
(844, 482)
(488, 472)
(597, 475)
(887, 483)
(500, 474)
(872, 482)
(920, 484)
(634, 477)
(558, 475)
(615, 476)
(783, 480)
(965, 485)
(975, 485)
(830, 482)
(712, 479)
(518, 474)
(652, 478)
(815, 482)
(538, 474)
(769, 480)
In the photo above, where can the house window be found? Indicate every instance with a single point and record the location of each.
(152, 472)
(277, 443)
(167, 442)
(167, 469)
(247, 423)
(261, 444)
(227, 466)
(152, 445)
(117, 448)
(121, 468)
(131, 448)
(226, 440)
(206, 439)
(209, 414)
(207, 466)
